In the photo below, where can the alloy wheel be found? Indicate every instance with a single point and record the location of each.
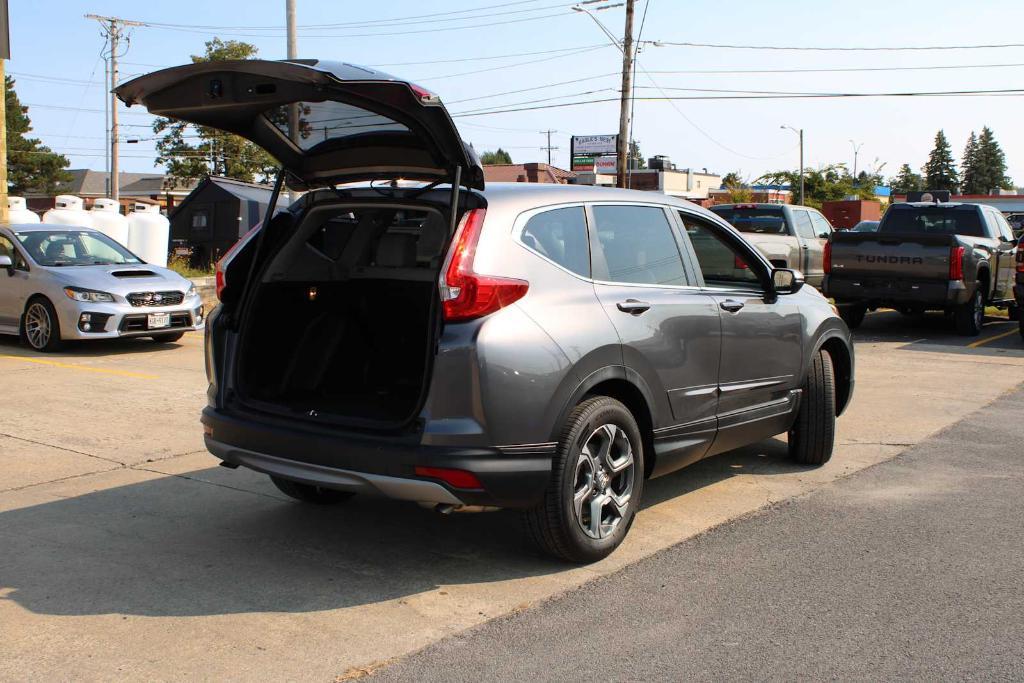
(38, 326)
(603, 481)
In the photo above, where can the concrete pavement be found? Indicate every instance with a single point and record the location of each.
(125, 552)
(909, 570)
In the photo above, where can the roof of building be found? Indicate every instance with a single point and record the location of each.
(534, 173)
(86, 182)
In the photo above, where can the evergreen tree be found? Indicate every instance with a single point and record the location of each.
(940, 172)
(906, 181)
(498, 157)
(990, 163)
(970, 167)
(215, 152)
(30, 164)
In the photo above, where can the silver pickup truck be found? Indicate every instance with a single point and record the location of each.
(952, 257)
(790, 236)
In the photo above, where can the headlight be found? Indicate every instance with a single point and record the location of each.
(191, 291)
(87, 295)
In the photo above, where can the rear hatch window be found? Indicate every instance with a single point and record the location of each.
(933, 220)
(766, 221)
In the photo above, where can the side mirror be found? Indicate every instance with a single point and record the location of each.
(787, 281)
(7, 264)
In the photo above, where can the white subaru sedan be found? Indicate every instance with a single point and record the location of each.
(60, 282)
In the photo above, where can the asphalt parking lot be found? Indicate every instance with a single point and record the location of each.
(124, 550)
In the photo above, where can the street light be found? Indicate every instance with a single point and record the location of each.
(856, 151)
(800, 133)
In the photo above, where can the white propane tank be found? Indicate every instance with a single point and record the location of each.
(17, 211)
(149, 234)
(68, 210)
(107, 218)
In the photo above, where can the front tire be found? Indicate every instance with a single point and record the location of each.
(970, 315)
(813, 435)
(308, 493)
(853, 315)
(596, 484)
(40, 327)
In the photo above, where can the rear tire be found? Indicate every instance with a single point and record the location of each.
(1020, 324)
(308, 493)
(1013, 312)
(596, 484)
(40, 327)
(853, 315)
(970, 315)
(812, 436)
(167, 338)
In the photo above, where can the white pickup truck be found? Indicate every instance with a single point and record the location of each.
(789, 236)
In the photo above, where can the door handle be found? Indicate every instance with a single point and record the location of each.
(632, 306)
(731, 305)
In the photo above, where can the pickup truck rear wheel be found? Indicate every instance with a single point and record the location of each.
(970, 315)
(813, 434)
(308, 493)
(1020, 324)
(597, 478)
(853, 314)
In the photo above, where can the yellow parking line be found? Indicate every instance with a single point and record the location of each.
(69, 366)
(982, 342)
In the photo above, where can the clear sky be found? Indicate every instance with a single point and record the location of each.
(52, 40)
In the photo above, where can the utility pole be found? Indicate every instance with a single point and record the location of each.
(622, 144)
(549, 148)
(5, 54)
(113, 30)
(293, 109)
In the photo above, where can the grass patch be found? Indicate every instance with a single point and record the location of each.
(180, 266)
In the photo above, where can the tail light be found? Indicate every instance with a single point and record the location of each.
(1020, 257)
(220, 275)
(465, 294)
(460, 479)
(827, 258)
(738, 263)
(956, 263)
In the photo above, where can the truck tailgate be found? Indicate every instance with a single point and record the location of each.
(895, 256)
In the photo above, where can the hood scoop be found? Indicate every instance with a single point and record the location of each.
(133, 273)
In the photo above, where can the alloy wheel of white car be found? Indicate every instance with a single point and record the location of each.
(38, 326)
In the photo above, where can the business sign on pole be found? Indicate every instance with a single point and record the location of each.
(584, 150)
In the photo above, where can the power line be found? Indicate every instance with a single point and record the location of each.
(509, 66)
(944, 93)
(480, 59)
(723, 46)
(740, 71)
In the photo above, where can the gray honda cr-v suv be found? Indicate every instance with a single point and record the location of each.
(547, 348)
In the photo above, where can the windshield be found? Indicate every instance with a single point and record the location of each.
(866, 226)
(934, 220)
(74, 248)
(768, 220)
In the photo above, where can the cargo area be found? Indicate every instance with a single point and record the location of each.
(342, 326)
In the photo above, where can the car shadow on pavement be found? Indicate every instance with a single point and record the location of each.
(95, 348)
(936, 332)
(214, 542)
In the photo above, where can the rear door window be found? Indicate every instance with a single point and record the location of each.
(803, 224)
(560, 235)
(637, 246)
(934, 220)
(768, 220)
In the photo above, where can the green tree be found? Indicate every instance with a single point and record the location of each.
(940, 171)
(906, 181)
(190, 152)
(636, 159)
(739, 189)
(30, 164)
(969, 167)
(498, 157)
(989, 165)
(828, 183)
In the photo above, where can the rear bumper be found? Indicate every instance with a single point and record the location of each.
(879, 291)
(512, 476)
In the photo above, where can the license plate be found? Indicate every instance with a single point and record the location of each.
(158, 320)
